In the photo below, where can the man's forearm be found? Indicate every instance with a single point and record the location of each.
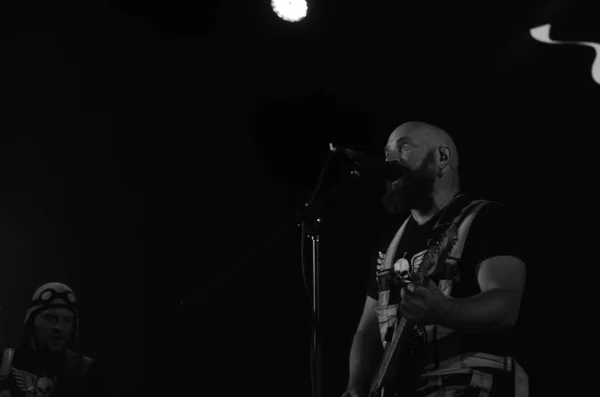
(365, 354)
(489, 311)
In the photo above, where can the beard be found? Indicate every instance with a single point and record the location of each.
(413, 191)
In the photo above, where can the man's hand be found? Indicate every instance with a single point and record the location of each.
(424, 304)
(354, 393)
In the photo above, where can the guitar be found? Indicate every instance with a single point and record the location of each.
(400, 350)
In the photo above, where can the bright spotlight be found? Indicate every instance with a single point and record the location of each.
(290, 10)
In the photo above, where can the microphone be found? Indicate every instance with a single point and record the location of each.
(369, 166)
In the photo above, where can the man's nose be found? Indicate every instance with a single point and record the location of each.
(390, 157)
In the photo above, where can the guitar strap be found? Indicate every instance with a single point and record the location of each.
(452, 260)
(387, 313)
(6, 366)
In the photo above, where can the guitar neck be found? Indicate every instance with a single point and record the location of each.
(391, 348)
(388, 354)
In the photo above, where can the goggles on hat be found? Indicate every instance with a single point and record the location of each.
(49, 295)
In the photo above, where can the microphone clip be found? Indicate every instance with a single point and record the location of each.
(351, 154)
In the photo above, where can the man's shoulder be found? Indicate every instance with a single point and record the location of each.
(76, 361)
(86, 374)
(74, 355)
(492, 210)
(488, 207)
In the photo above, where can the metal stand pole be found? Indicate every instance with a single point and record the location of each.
(312, 224)
(316, 337)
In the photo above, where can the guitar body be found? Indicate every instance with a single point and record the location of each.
(400, 366)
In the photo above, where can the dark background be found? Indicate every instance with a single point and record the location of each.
(148, 148)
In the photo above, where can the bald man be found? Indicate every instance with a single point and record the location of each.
(463, 319)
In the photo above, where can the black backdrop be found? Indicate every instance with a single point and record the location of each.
(147, 148)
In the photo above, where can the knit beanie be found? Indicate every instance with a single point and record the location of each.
(53, 295)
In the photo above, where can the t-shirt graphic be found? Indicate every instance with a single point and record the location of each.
(31, 385)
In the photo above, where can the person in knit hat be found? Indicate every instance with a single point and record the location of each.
(44, 365)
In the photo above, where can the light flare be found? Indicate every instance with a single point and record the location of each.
(542, 34)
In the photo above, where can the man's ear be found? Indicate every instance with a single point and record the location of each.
(444, 156)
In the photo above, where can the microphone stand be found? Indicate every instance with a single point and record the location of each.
(310, 222)
(311, 225)
(312, 231)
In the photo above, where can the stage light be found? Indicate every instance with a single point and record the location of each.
(542, 34)
(290, 10)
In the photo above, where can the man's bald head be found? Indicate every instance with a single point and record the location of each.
(430, 154)
(423, 136)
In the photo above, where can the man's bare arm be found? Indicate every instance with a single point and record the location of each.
(366, 350)
(501, 280)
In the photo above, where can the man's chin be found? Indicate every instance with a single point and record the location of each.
(396, 203)
(56, 346)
